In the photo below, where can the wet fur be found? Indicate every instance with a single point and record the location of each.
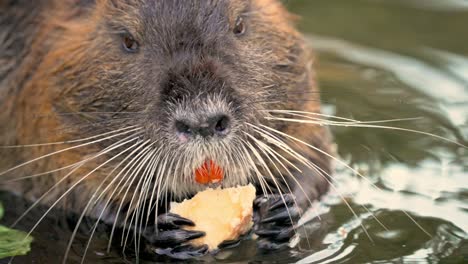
(65, 77)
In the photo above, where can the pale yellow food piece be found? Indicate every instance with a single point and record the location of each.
(224, 214)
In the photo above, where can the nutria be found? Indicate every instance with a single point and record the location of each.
(108, 107)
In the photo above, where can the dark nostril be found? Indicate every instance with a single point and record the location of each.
(182, 127)
(222, 124)
(218, 125)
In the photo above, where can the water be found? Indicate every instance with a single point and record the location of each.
(376, 60)
(380, 60)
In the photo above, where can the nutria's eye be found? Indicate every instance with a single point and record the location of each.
(129, 43)
(239, 27)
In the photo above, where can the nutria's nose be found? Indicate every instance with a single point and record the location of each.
(217, 125)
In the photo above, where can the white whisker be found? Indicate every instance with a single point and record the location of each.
(129, 182)
(103, 210)
(148, 176)
(130, 165)
(266, 150)
(342, 163)
(67, 141)
(264, 185)
(273, 178)
(62, 180)
(135, 191)
(318, 169)
(343, 122)
(363, 125)
(154, 176)
(158, 183)
(66, 149)
(79, 181)
(92, 201)
(276, 155)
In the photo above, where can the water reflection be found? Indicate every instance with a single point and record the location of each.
(452, 5)
(418, 213)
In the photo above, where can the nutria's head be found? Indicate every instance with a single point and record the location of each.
(194, 77)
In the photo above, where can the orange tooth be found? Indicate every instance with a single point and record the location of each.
(208, 173)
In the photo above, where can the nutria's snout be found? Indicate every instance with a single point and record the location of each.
(217, 125)
(199, 98)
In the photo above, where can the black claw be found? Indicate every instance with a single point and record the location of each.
(277, 235)
(279, 202)
(173, 221)
(274, 220)
(259, 201)
(229, 244)
(268, 232)
(284, 216)
(183, 252)
(171, 238)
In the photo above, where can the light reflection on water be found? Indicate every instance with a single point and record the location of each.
(426, 192)
(452, 5)
(449, 91)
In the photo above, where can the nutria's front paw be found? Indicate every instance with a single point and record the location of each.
(275, 218)
(169, 239)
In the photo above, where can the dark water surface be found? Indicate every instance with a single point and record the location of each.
(376, 60)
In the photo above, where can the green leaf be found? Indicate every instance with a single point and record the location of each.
(13, 242)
